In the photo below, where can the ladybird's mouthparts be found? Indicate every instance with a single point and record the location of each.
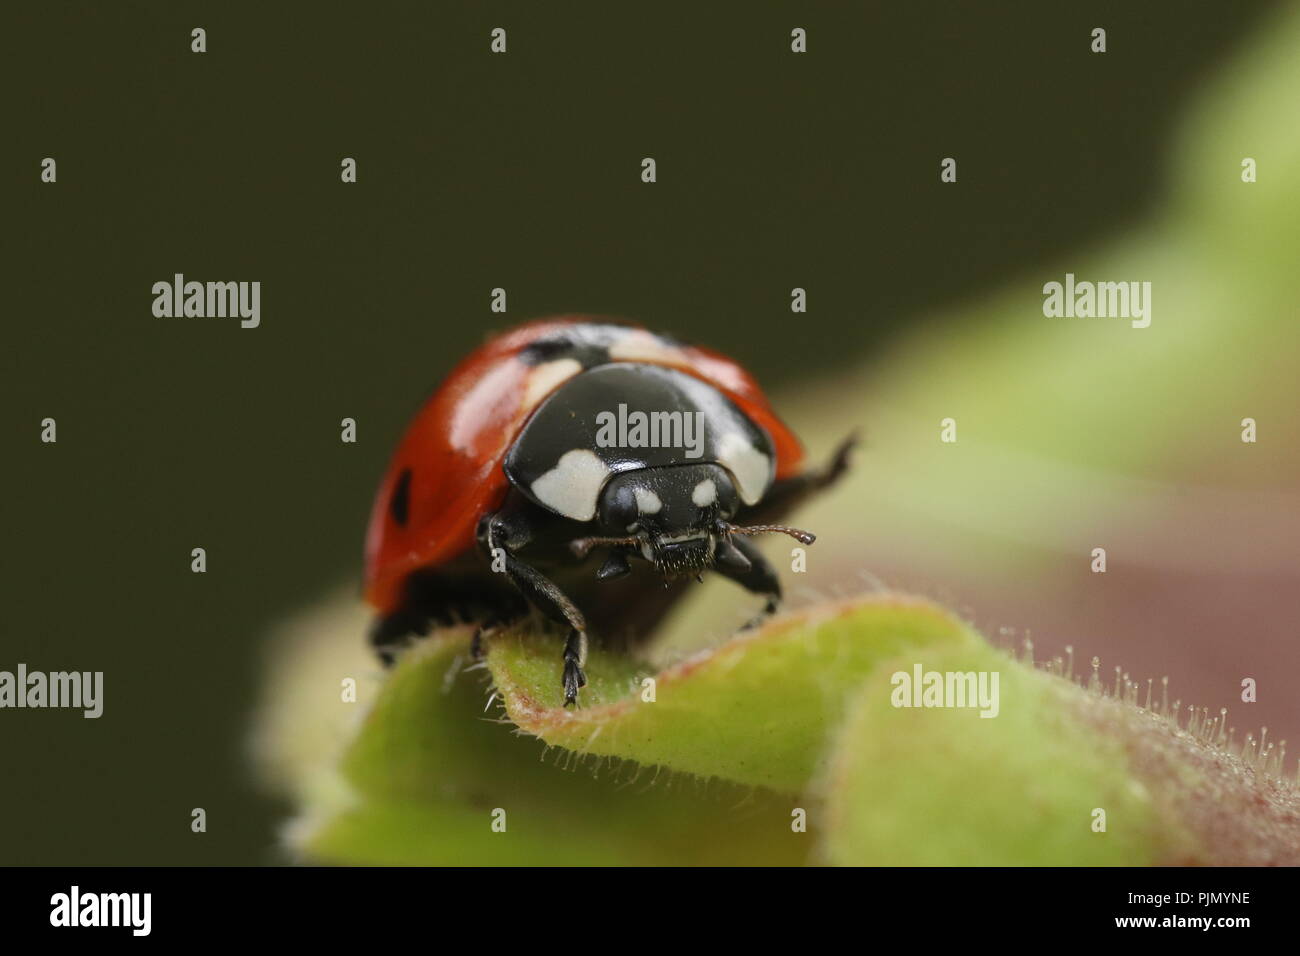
(684, 555)
(581, 547)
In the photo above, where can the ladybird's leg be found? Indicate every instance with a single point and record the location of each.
(438, 598)
(788, 493)
(543, 594)
(387, 637)
(482, 630)
(392, 633)
(575, 658)
(500, 536)
(760, 578)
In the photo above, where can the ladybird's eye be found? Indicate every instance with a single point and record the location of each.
(400, 503)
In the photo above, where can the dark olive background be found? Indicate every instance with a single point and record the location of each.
(476, 171)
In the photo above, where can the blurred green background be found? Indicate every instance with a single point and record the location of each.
(522, 171)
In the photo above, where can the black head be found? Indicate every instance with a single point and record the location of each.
(676, 517)
(672, 513)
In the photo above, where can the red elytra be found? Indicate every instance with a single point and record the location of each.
(454, 447)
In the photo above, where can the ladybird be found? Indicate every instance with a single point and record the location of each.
(556, 457)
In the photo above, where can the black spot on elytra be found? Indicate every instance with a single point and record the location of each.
(399, 504)
(589, 352)
(546, 350)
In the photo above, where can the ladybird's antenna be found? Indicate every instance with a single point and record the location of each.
(803, 537)
(582, 546)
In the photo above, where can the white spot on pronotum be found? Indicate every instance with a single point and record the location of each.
(751, 468)
(638, 345)
(705, 493)
(647, 502)
(546, 377)
(572, 487)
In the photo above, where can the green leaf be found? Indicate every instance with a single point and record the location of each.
(795, 721)
(945, 786)
(427, 768)
(424, 771)
(756, 710)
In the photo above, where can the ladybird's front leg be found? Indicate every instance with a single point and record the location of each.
(500, 537)
(575, 657)
(753, 573)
